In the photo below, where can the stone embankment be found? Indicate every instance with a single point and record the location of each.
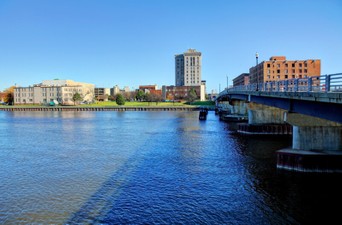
(71, 108)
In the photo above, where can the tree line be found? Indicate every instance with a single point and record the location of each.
(120, 98)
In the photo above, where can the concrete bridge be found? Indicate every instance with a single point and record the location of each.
(313, 106)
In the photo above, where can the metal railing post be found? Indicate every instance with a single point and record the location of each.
(265, 86)
(310, 84)
(327, 83)
(286, 88)
(295, 85)
(277, 85)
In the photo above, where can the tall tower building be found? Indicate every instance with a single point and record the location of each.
(188, 67)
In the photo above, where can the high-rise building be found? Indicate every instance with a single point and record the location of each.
(278, 68)
(188, 68)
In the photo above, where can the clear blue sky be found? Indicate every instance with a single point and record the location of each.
(133, 42)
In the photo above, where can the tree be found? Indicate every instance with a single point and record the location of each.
(77, 98)
(9, 95)
(153, 97)
(127, 95)
(192, 95)
(111, 98)
(120, 100)
(140, 96)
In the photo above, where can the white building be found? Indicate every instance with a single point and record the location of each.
(61, 91)
(188, 68)
(116, 90)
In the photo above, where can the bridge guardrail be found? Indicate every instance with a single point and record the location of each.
(323, 83)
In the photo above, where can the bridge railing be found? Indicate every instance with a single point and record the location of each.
(323, 83)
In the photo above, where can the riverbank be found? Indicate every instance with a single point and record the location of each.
(112, 106)
(103, 108)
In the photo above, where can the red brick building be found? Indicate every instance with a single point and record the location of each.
(179, 92)
(152, 89)
(278, 68)
(242, 79)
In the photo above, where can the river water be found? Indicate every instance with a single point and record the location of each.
(150, 168)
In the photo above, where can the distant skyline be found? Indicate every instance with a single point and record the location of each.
(133, 42)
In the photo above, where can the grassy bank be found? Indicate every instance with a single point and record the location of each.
(134, 104)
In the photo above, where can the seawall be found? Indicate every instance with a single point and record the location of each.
(122, 108)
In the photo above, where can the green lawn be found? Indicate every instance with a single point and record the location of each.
(134, 104)
(204, 103)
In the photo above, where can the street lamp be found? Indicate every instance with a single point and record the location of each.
(256, 69)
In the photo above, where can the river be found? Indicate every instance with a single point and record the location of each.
(150, 168)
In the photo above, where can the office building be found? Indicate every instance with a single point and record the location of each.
(152, 89)
(116, 90)
(181, 92)
(101, 94)
(61, 91)
(279, 68)
(242, 79)
(188, 68)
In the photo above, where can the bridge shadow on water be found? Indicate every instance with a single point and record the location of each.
(134, 192)
(100, 203)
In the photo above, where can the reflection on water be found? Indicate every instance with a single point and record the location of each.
(149, 168)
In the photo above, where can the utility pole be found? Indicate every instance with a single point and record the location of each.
(256, 69)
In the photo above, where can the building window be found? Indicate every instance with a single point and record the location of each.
(286, 65)
(286, 71)
(286, 76)
(278, 71)
(300, 70)
(268, 65)
(305, 70)
(278, 65)
(293, 71)
(300, 65)
(293, 65)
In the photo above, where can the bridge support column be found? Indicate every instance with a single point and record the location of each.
(237, 113)
(239, 107)
(316, 145)
(263, 114)
(264, 119)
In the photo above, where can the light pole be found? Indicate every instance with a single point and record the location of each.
(256, 69)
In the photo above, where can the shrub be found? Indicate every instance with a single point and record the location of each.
(120, 100)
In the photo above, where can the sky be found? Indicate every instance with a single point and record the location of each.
(133, 42)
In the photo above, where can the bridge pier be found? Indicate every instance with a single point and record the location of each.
(238, 107)
(263, 119)
(263, 114)
(316, 145)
